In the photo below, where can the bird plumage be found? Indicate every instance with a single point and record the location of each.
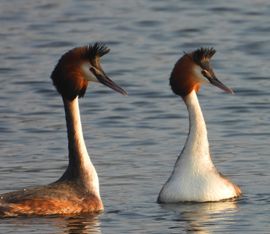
(77, 191)
(194, 177)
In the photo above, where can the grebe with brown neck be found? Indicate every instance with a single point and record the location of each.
(194, 177)
(77, 191)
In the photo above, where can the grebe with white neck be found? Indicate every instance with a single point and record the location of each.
(77, 191)
(194, 177)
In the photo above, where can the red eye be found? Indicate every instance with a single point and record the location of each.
(203, 73)
(206, 74)
(93, 70)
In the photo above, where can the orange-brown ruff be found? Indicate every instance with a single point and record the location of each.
(194, 177)
(77, 191)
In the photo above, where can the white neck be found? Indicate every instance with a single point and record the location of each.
(196, 150)
(195, 177)
(80, 168)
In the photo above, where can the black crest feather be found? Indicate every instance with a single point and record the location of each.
(97, 50)
(203, 55)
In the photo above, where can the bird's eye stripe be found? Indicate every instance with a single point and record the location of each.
(93, 70)
(206, 74)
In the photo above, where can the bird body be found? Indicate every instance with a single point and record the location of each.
(194, 177)
(58, 198)
(77, 191)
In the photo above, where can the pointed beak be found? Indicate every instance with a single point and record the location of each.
(210, 75)
(214, 81)
(104, 79)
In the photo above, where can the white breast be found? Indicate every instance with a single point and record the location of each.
(195, 177)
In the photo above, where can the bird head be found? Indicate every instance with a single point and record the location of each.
(78, 67)
(192, 70)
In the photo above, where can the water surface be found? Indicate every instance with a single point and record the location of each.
(134, 141)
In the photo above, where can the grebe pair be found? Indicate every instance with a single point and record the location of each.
(194, 177)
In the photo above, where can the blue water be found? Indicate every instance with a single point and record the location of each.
(134, 141)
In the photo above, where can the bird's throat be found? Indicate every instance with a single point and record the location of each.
(196, 149)
(80, 167)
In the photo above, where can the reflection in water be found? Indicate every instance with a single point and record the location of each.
(82, 224)
(203, 217)
(136, 139)
(57, 224)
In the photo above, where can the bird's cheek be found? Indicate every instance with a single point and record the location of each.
(87, 73)
(198, 75)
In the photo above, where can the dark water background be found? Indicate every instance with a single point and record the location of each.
(134, 141)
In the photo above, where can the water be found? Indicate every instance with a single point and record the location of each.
(134, 140)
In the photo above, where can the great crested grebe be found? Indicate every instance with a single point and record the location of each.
(77, 191)
(194, 177)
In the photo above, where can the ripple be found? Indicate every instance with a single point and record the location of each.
(133, 141)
